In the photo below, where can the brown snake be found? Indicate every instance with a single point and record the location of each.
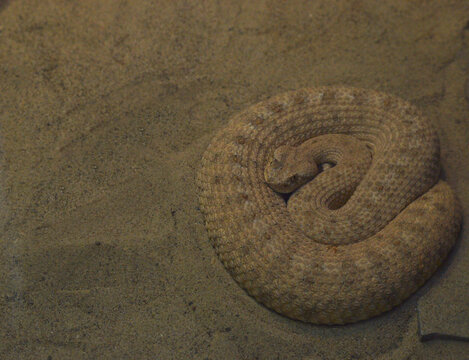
(368, 220)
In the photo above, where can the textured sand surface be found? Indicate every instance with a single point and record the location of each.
(105, 111)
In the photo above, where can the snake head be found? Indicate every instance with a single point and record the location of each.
(289, 168)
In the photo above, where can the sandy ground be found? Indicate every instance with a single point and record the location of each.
(105, 109)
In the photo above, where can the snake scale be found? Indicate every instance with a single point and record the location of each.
(365, 220)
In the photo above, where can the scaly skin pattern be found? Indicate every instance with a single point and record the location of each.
(337, 265)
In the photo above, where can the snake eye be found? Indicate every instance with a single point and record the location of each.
(293, 179)
(276, 164)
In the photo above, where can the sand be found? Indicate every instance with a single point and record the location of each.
(105, 110)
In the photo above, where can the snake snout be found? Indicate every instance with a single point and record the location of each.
(289, 169)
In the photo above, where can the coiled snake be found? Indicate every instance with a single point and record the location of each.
(365, 220)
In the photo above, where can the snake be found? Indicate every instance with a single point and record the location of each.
(326, 204)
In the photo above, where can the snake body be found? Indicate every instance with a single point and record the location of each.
(311, 260)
